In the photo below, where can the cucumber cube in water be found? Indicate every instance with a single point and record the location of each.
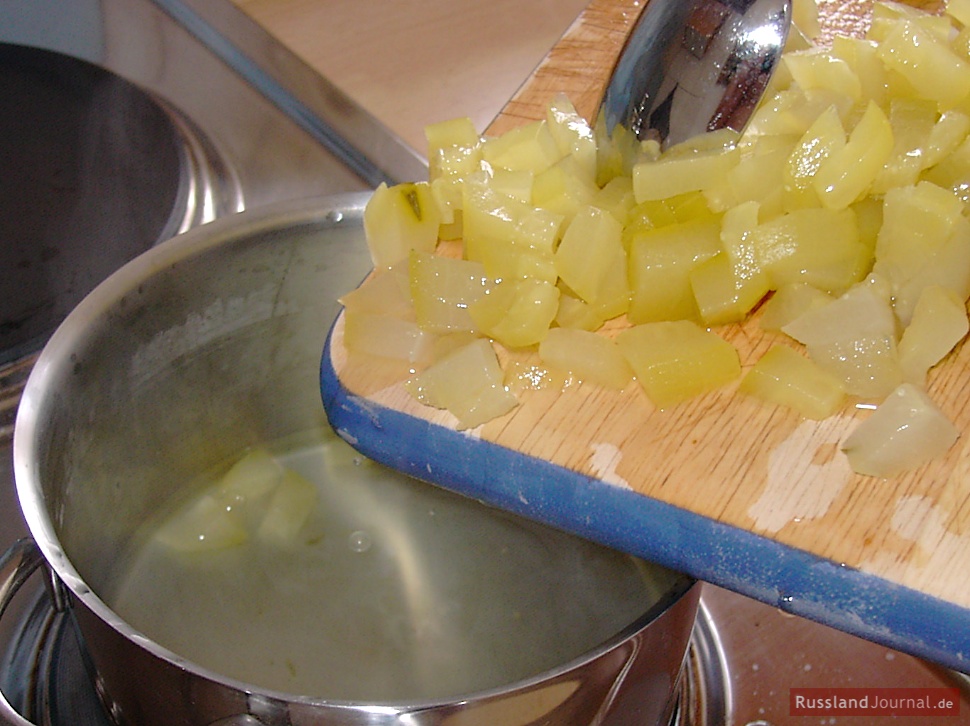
(205, 524)
(250, 478)
(289, 509)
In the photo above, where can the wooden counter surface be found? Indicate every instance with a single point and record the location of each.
(415, 62)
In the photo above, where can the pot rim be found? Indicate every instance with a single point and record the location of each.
(27, 446)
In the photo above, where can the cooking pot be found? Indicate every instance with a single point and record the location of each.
(199, 349)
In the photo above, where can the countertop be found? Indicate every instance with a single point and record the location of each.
(415, 62)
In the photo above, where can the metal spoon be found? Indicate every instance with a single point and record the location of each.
(693, 66)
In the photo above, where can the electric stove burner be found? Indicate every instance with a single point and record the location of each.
(704, 694)
(13, 378)
(45, 673)
(95, 171)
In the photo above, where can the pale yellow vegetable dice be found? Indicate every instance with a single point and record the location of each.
(590, 247)
(616, 151)
(887, 15)
(823, 138)
(573, 135)
(511, 238)
(960, 43)
(487, 216)
(755, 177)
(947, 135)
(820, 247)
(446, 193)
(530, 147)
(906, 431)
(785, 377)
(205, 524)
(854, 339)
(805, 17)
(947, 267)
(250, 479)
(857, 161)
(563, 188)
(528, 251)
(819, 69)
(959, 10)
(442, 289)
(454, 162)
(288, 510)
(516, 183)
(386, 336)
(616, 197)
(456, 132)
(922, 242)
(656, 213)
(675, 361)
(953, 172)
(917, 220)
(715, 291)
(613, 297)
(516, 313)
(468, 383)
(862, 56)
(847, 174)
(379, 318)
(680, 173)
(939, 322)
(589, 356)
(399, 219)
(912, 121)
(454, 152)
(789, 302)
(661, 261)
(727, 286)
(384, 292)
(791, 112)
(926, 62)
(576, 313)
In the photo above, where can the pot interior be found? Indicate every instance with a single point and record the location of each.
(207, 347)
(393, 591)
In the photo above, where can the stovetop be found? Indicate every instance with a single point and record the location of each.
(258, 126)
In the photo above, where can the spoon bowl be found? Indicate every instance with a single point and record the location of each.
(695, 66)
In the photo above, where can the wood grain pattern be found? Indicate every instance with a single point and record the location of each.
(578, 65)
(724, 457)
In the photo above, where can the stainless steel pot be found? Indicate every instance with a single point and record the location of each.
(199, 348)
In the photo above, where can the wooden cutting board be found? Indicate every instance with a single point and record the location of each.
(731, 491)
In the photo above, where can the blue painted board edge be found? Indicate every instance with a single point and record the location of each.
(791, 579)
